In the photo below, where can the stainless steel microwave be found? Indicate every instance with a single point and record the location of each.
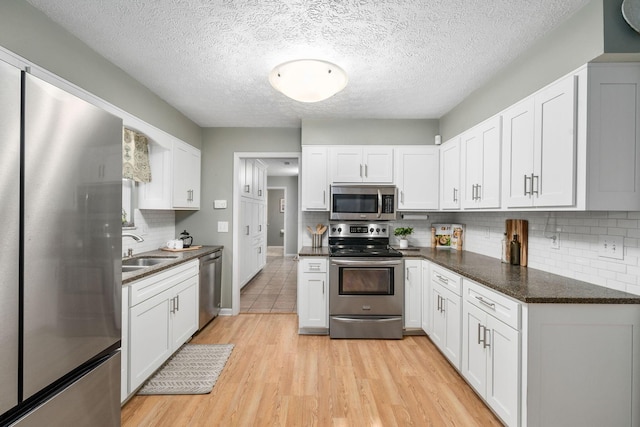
(360, 202)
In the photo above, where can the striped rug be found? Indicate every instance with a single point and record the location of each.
(193, 369)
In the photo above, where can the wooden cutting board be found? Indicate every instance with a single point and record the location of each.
(190, 248)
(521, 228)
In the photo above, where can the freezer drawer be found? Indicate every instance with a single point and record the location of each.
(91, 401)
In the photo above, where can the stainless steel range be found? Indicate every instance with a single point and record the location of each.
(366, 283)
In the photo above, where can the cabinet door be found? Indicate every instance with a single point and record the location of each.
(184, 307)
(450, 174)
(246, 177)
(471, 145)
(157, 194)
(452, 335)
(245, 240)
(346, 164)
(378, 164)
(259, 179)
(518, 130)
(438, 320)
(426, 298)
(474, 347)
(186, 176)
(312, 301)
(124, 347)
(555, 144)
(315, 179)
(412, 290)
(150, 338)
(490, 133)
(417, 178)
(503, 371)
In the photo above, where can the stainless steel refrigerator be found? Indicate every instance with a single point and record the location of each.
(60, 256)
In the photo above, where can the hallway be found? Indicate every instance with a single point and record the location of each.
(274, 289)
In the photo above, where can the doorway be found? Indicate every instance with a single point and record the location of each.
(274, 288)
(276, 202)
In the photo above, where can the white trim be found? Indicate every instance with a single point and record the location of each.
(235, 284)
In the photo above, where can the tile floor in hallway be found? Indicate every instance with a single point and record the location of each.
(273, 290)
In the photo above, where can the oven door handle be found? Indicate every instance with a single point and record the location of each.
(370, 262)
(379, 203)
(363, 320)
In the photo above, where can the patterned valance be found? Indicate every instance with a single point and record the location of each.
(135, 156)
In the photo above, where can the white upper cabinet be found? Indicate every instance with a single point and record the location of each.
(175, 177)
(253, 179)
(361, 164)
(315, 178)
(417, 177)
(481, 165)
(450, 174)
(539, 157)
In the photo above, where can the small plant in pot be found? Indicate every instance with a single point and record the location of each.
(403, 232)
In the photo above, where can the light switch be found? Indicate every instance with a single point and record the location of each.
(223, 226)
(219, 204)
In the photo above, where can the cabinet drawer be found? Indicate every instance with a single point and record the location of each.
(446, 278)
(313, 265)
(499, 306)
(146, 288)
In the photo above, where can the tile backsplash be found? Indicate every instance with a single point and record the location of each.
(577, 256)
(155, 227)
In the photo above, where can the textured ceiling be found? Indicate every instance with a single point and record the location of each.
(210, 59)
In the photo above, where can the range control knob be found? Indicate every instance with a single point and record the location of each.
(371, 230)
(384, 230)
(339, 230)
(333, 229)
(377, 230)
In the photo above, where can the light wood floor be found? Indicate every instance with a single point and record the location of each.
(276, 377)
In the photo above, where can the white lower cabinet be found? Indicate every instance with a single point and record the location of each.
(313, 295)
(163, 315)
(412, 294)
(491, 351)
(124, 349)
(446, 313)
(426, 297)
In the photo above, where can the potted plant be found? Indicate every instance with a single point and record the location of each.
(403, 232)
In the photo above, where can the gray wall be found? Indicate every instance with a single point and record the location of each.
(369, 132)
(619, 37)
(28, 33)
(275, 218)
(291, 206)
(573, 44)
(218, 147)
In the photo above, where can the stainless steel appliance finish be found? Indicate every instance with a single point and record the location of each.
(69, 256)
(210, 287)
(360, 202)
(10, 218)
(366, 283)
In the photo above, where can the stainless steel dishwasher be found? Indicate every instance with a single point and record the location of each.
(210, 286)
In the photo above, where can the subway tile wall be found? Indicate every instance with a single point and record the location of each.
(577, 256)
(155, 227)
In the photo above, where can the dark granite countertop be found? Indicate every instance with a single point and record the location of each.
(180, 257)
(522, 283)
(309, 251)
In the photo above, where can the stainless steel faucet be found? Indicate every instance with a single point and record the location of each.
(133, 236)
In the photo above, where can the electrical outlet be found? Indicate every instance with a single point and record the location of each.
(555, 241)
(611, 247)
(223, 227)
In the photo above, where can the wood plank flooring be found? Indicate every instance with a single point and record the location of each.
(276, 377)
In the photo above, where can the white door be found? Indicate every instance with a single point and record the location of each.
(315, 184)
(378, 164)
(471, 144)
(185, 311)
(346, 164)
(412, 297)
(450, 174)
(518, 130)
(313, 300)
(503, 371)
(452, 336)
(426, 298)
(438, 320)
(474, 353)
(555, 144)
(417, 178)
(488, 193)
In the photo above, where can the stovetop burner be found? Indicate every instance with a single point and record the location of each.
(360, 240)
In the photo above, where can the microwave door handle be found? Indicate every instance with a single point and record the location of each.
(379, 203)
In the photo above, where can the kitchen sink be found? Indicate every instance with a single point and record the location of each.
(130, 268)
(143, 262)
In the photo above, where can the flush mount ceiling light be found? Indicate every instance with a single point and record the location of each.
(308, 80)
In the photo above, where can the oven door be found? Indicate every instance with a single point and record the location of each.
(366, 286)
